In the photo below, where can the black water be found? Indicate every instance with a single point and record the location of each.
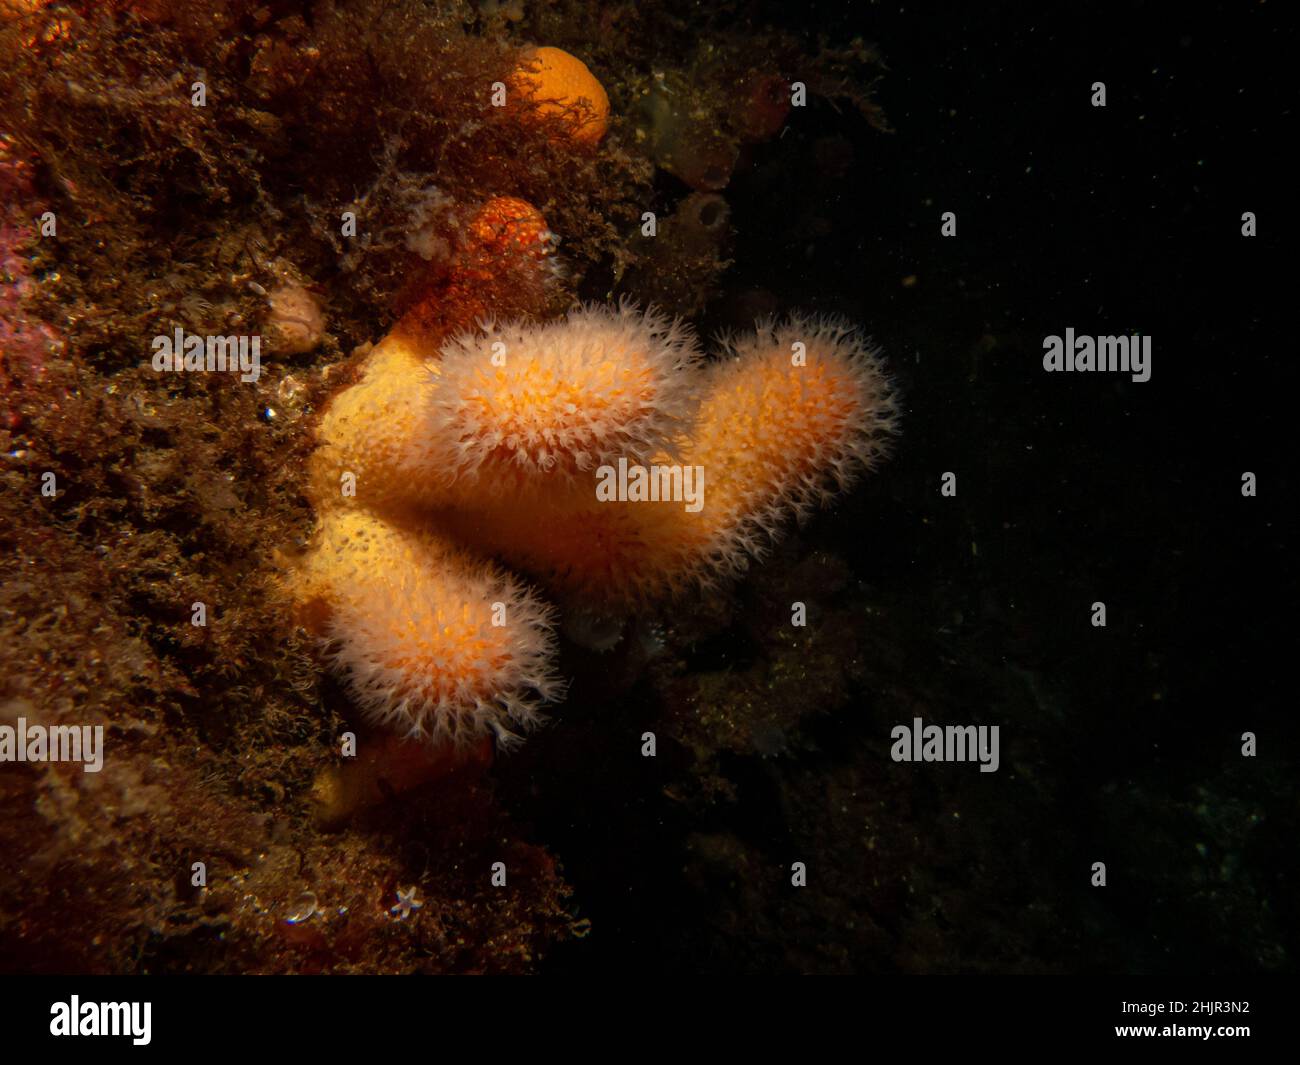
(1074, 488)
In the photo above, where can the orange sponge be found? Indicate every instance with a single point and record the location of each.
(561, 86)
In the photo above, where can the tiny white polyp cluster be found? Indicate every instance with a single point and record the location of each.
(559, 398)
(432, 643)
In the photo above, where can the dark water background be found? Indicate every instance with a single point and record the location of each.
(1075, 487)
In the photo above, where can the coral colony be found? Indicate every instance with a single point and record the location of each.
(599, 455)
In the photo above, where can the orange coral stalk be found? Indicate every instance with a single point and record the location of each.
(431, 642)
(367, 432)
(519, 408)
(772, 437)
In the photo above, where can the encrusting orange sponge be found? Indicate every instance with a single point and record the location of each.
(560, 85)
(504, 267)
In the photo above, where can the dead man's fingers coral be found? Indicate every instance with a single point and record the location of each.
(365, 434)
(595, 454)
(431, 642)
(787, 418)
(520, 408)
(371, 449)
(793, 414)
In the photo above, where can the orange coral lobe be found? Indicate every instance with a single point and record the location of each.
(432, 643)
(791, 416)
(519, 408)
(562, 87)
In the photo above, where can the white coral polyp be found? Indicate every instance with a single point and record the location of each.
(420, 650)
(559, 398)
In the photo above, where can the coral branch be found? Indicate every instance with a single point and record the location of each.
(431, 642)
(773, 439)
